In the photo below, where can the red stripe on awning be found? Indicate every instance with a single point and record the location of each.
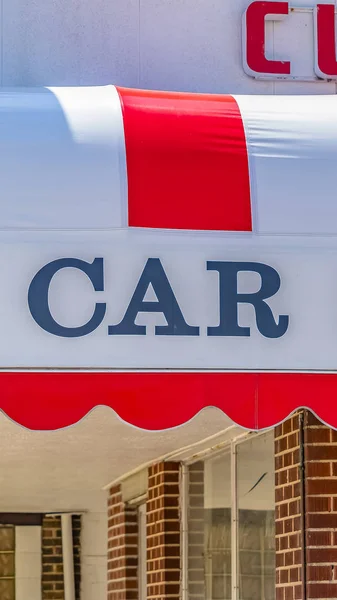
(187, 161)
(157, 401)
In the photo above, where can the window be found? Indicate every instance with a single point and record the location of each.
(230, 523)
(256, 524)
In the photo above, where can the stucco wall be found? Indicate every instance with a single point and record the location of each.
(192, 45)
(94, 555)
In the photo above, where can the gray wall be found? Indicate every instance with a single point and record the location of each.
(190, 45)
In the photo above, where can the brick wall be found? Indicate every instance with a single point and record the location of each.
(52, 558)
(52, 561)
(163, 532)
(122, 548)
(288, 525)
(316, 565)
(321, 508)
(77, 529)
(163, 538)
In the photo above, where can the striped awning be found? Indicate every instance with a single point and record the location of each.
(164, 252)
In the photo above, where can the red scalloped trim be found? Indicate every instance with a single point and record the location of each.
(154, 401)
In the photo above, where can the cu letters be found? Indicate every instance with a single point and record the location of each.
(167, 302)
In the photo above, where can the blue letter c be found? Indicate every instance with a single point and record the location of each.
(39, 289)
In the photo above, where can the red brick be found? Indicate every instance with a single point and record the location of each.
(318, 435)
(297, 490)
(280, 593)
(293, 474)
(288, 558)
(319, 573)
(321, 521)
(296, 456)
(278, 527)
(294, 507)
(282, 477)
(334, 539)
(324, 452)
(322, 590)
(279, 560)
(318, 469)
(310, 419)
(288, 525)
(278, 462)
(293, 440)
(278, 432)
(283, 542)
(294, 574)
(288, 459)
(317, 504)
(322, 486)
(279, 495)
(284, 510)
(281, 445)
(284, 575)
(319, 538)
(288, 492)
(322, 555)
(286, 427)
(294, 540)
(289, 593)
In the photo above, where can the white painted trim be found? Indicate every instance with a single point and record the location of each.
(75, 513)
(234, 521)
(212, 451)
(178, 455)
(28, 562)
(138, 501)
(194, 452)
(68, 557)
(184, 530)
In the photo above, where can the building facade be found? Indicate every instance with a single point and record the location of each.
(252, 517)
(208, 511)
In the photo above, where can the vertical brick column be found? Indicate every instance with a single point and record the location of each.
(52, 558)
(77, 529)
(163, 532)
(306, 516)
(288, 524)
(122, 548)
(196, 532)
(321, 508)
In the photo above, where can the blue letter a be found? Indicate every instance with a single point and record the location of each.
(167, 304)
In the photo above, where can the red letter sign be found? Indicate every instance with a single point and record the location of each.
(255, 61)
(325, 46)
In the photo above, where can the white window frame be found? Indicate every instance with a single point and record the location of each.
(229, 446)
